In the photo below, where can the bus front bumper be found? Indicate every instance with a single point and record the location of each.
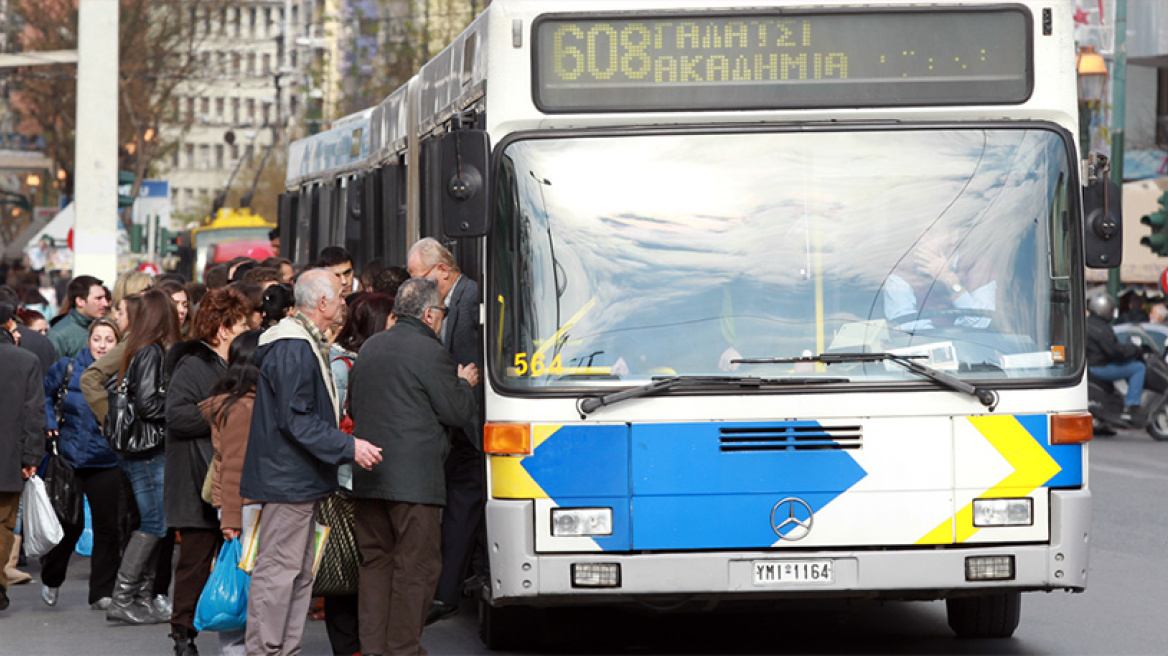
(521, 576)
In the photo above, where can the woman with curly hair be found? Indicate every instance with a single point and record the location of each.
(194, 367)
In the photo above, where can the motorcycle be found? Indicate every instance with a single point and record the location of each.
(1105, 399)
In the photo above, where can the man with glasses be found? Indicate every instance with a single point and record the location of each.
(465, 484)
(404, 391)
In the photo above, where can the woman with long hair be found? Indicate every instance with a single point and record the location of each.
(194, 366)
(229, 413)
(155, 329)
(368, 315)
(178, 294)
(80, 443)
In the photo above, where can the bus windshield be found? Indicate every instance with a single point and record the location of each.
(619, 259)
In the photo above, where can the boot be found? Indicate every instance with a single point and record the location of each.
(145, 596)
(15, 576)
(184, 641)
(138, 556)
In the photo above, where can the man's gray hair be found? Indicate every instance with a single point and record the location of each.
(414, 296)
(311, 286)
(433, 253)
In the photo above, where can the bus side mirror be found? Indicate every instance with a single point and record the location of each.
(465, 161)
(1103, 222)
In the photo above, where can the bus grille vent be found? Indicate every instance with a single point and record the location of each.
(790, 437)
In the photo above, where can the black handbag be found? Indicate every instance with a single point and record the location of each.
(340, 563)
(61, 486)
(119, 421)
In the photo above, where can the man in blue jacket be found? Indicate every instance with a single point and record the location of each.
(292, 456)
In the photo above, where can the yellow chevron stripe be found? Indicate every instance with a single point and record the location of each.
(1032, 465)
(509, 480)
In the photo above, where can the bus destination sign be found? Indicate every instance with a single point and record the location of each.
(710, 61)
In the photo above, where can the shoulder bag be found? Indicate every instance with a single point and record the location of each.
(119, 422)
(341, 561)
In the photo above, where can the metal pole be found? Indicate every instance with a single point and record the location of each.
(1118, 110)
(95, 233)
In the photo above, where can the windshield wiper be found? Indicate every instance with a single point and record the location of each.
(988, 398)
(589, 404)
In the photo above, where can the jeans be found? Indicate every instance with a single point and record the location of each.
(1133, 371)
(145, 476)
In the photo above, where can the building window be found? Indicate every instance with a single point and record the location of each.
(267, 21)
(234, 152)
(251, 22)
(189, 153)
(251, 64)
(204, 107)
(235, 111)
(219, 156)
(190, 108)
(219, 109)
(250, 117)
(267, 113)
(174, 159)
(267, 64)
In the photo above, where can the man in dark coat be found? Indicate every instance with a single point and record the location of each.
(22, 436)
(465, 472)
(405, 390)
(293, 452)
(30, 340)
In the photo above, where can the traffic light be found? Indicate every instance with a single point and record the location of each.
(125, 184)
(171, 241)
(1158, 239)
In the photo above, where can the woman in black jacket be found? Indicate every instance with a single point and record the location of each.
(194, 367)
(155, 329)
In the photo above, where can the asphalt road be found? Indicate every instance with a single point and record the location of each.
(1121, 614)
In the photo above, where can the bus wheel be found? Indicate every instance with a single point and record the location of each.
(987, 616)
(507, 627)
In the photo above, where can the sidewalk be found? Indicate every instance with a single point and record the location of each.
(30, 628)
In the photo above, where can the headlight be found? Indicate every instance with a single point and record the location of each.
(581, 522)
(1003, 512)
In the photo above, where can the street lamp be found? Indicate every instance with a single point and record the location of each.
(1092, 80)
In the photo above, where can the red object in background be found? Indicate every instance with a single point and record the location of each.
(69, 240)
(226, 251)
(149, 267)
(1164, 281)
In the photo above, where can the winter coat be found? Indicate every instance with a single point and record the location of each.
(404, 392)
(294, 446)
(31, 340)
(22, 409)
(147, 392)
(1104, 347)
(194, 369)
(79, 438)
(230, 439)
(71, 334)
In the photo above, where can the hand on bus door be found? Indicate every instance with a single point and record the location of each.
(469, 373)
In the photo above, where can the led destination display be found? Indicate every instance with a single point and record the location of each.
(716, 60)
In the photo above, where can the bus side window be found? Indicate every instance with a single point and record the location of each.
(393, 214)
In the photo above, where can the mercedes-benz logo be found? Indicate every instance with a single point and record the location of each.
(791, 519)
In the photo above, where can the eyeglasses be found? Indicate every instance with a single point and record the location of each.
(441, 308)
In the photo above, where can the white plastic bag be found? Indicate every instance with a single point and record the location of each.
(42, 530)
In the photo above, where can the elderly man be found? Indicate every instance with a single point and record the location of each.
(87, 301)
(22, 437)
(292, 456)
(465, 484)
(405, 389)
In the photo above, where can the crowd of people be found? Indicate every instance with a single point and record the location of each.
(193, 411)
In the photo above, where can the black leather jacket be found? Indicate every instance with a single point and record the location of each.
(147, 391)
(1104, 347)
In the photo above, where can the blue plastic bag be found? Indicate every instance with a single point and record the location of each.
(223, 603)
(85, 542)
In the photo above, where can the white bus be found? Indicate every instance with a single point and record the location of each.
(778, 301)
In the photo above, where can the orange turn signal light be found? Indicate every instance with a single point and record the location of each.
(1071, 429)
(507, 439)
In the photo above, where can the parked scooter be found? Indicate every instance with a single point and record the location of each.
(1105, 399)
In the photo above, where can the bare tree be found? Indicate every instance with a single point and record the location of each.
(158, 40)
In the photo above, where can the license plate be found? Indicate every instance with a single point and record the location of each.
(770, 572)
